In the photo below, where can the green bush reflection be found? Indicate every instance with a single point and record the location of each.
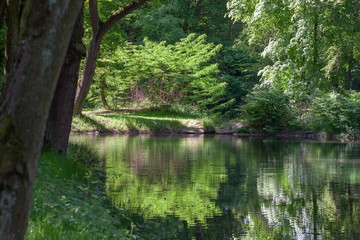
(224, 187)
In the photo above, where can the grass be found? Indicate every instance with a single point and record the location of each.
(138, 121)
(69, 200)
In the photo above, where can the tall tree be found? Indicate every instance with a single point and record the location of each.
(58, 125)
(44, 33)
(99, 29)
(308, 45)
(12, 19)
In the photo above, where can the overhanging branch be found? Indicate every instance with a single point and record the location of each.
(121, 13)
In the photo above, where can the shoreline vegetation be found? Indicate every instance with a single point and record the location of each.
(70, 199)
(69, 195)
(158, 121)
(70, 202)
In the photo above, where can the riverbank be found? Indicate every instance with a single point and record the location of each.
(148, 121)
(70, 201)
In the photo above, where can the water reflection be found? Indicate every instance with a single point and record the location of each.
(223, 187)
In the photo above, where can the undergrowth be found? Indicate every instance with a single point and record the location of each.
(69, 200)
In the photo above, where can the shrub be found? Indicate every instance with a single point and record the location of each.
(336, 113)
(268, 110)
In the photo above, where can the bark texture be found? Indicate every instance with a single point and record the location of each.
(12, 20)
(58, 126)
(44, 33)
(99, 30)
(2, 9)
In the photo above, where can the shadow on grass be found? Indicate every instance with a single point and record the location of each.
(157, 112)
(101, 127)
(137, 124)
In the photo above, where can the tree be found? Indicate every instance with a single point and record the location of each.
(175, 19)
(99, 29)
(45, 30)
(12, 8)
(165, 74)
(308, 45)
(171, 21)
(58, 125)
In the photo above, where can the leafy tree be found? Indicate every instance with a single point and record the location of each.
(167, 74)
(342, 56)
(171, 21)
(298, 43)
(99, 29)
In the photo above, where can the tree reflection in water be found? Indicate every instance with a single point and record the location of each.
(224, 187)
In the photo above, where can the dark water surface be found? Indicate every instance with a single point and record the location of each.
(225, 187)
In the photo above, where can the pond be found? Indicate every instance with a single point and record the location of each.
(226, 187)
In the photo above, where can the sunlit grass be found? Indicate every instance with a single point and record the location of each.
(147, 120)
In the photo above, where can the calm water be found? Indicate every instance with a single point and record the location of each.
(224, 187)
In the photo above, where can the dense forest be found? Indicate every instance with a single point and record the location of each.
(226, 59)
(277, 66)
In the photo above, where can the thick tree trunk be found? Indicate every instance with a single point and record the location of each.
(12, 36)
(99, 30)
(61, 111)
(2, 10)
(88, 74)
(45, 31)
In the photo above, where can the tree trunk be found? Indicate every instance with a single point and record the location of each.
(2, 10)
(348, 80)
(12, 36)
(61, 111)
(103, 93)
(99, 30)
(88, 74)
(44, 32)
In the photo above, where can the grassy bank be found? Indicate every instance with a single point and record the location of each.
(69, 200)
(153, 120)
(70, 203)
(260, 117)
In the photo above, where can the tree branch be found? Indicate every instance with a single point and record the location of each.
(119, 14)
(94, 16)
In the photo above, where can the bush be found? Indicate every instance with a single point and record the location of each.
(268, 110)
(336, 113)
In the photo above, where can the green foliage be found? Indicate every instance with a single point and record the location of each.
(161, 23)
(303, 46)
(163, 74)
(336, 113)
(69, 200)
(141, 73)
(153, 119)
(238, 68)
(153, 192)
(209, 125)
(174, 19)
(269, 110)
